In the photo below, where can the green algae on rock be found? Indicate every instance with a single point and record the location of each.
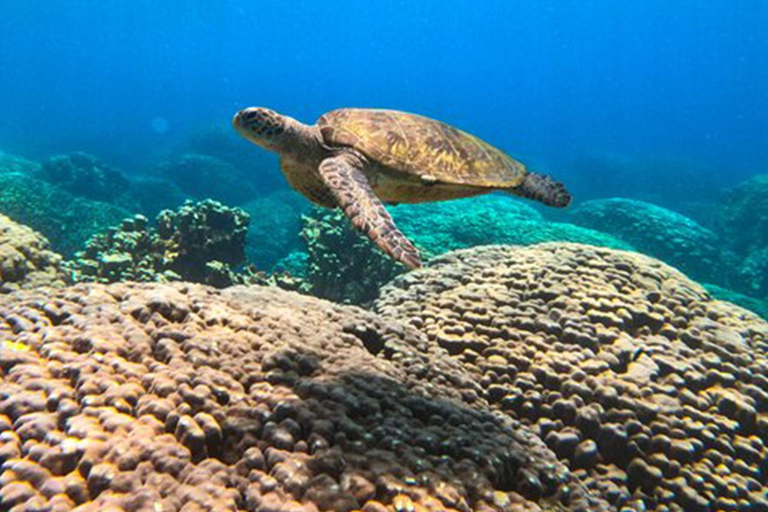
(181, 397)
(647, 388)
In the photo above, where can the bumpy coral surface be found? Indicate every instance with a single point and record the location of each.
(651, 391)
(178, 397)
(84, 175)
(658, 232)
(26, 260)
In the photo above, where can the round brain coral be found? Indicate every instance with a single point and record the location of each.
(652, 392)
(26, 260)
(150, 397)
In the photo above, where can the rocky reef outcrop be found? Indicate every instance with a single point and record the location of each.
(180, 397)
(26, 260)
(652, 392)
(198, 242)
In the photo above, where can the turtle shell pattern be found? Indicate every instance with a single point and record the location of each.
(421, 147)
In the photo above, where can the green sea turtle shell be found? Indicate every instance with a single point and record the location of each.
(421, 147)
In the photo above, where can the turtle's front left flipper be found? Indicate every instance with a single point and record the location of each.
(344, 177)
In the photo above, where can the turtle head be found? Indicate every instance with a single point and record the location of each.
(263, 127)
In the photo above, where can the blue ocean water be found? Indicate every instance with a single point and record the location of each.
(548, 80)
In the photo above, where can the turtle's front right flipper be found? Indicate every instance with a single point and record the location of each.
(344, 177)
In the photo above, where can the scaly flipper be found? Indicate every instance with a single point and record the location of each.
(344, 177)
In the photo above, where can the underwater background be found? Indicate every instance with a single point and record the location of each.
(180, 331)
(112, 108)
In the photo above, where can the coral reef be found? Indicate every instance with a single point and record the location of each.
(201, 232)
(743, 227)
(149, 196)
(753, 273)
(178, 397)
(84, 175)
(744, 215)
(16, 164)
(198, 242)
(757, 306)
(345, 267)
(26, 260)
(274, 229)
(658, 232)
(207, 177)
(67, 221)
(342, 265)
(492, 219)
(648, 389)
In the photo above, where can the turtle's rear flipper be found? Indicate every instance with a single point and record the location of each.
(542, 188)
(344, 177)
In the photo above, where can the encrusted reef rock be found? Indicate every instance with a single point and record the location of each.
(179, 397)
(67, 221)
(344, 266)
(652, 392)
(84, 175)
(198, 242)
(658, 232)
(26, 260)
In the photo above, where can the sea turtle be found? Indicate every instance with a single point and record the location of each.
(358, 159)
